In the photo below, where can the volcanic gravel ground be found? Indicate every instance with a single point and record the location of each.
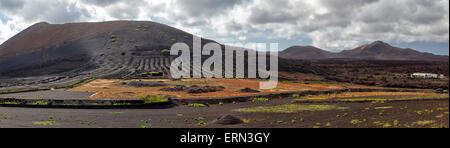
(362, 114)
(58, 94)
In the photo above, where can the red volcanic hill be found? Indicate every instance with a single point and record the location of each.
(118, 48)
(305, 53)
(43, 35)
(375, 51)
(382, 51)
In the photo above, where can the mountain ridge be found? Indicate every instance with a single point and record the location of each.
(377, 50)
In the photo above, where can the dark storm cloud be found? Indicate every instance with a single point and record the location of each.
(102, 3)
(207, 8)
(11, 5)
(60, 12)
(279, 11)
(262, 16)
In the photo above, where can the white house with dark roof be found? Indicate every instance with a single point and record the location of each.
(427, 76)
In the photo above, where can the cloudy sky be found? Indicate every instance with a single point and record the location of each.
(332, 25)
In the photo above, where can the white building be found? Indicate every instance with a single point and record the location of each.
(427, 76)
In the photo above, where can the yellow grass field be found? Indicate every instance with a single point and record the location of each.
(108, 88)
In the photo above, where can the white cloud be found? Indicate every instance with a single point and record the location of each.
(331, 24)
(9, 29)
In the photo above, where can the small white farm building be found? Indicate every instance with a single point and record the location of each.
(427, 76)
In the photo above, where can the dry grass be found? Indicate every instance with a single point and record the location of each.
(423, 123)
(108, 88)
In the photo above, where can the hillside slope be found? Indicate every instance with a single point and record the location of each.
(49, 45)
(382, 51)
(305, 53)
(47, 55)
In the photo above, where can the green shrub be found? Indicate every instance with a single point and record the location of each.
(10, 103)
(122, 104)
(165, 51)
(152, 99)
(41, 103)
(197, 105)
(201, 123)
(260, 100)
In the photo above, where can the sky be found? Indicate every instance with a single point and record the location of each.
(332, 25)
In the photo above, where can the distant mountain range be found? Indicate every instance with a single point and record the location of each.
(375, 51)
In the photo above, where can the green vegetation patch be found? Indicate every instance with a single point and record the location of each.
(10, 103)
(151, 74)
(290, 108)
(201, 123)
(197, 105)
(40, 103)
(260, 100)
(122, 104)
(76, 84)
(386, 125)
(153, 99)
(165, 51)
(425, 111)
(356, 121)
(45, 123)
(312, 98)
